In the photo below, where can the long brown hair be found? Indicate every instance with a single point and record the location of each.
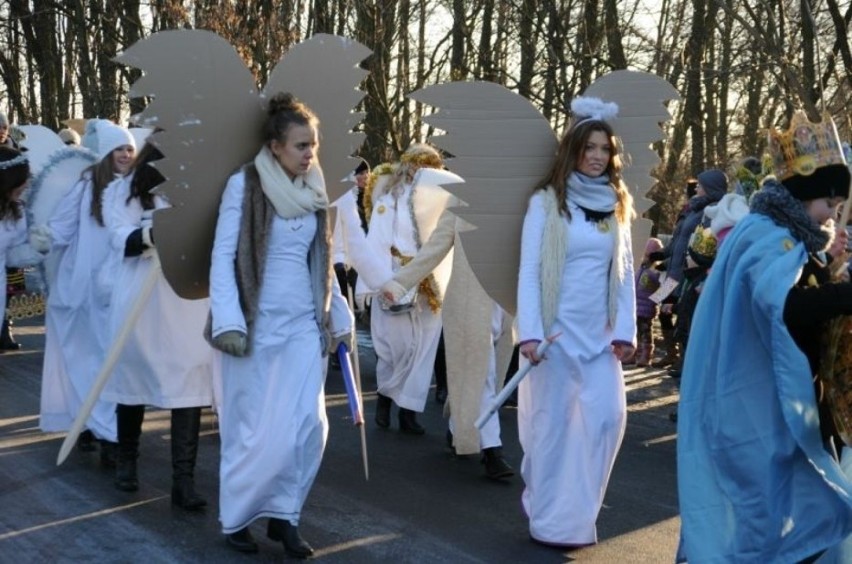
(11, 178)
(101, 174)
(568, 157)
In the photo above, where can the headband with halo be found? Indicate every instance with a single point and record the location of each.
(589, 108)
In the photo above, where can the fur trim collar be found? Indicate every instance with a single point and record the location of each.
(775, 202)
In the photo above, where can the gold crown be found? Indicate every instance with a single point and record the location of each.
(805, 147)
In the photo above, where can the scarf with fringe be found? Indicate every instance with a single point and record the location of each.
(554, 246)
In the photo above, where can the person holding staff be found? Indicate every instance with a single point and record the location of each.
(576, 279)
(276, 311)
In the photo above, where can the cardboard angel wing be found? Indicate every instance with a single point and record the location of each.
(503, 147)
(210, 112)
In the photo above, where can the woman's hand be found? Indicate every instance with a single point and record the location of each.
(622, 350)
(528, 351)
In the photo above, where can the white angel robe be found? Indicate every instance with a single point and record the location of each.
(77, 317)
(405, 343)
(166, 362)
(272, 416)
(572, 407)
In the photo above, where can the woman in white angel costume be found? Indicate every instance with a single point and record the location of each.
(405, 210)
(276, 310)
(15, 250)
(165, 362)
(77, 318)
(575, 278)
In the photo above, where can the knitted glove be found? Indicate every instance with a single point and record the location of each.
(233, 343)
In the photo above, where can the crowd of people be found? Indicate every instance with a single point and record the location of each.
(758, 448)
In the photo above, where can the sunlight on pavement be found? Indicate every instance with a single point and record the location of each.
(93, 515)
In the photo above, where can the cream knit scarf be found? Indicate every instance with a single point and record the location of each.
(290, 198)
(554, 246)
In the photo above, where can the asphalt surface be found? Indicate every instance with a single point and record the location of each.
(420, 504)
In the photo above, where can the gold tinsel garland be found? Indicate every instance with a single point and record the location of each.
(384, 169)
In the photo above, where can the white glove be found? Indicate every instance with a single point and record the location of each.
(41, 238)
(231, 342)
(392, 291)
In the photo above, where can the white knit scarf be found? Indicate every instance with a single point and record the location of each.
(290, 198)
(554, 247)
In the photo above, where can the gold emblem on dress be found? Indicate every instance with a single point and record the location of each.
(788, 244)
(381, 209)
(603, 227)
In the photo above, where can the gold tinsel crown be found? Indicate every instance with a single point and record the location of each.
(804, 147)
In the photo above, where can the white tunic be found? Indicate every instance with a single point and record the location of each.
(166, 361)
(272, 417)
(77, 318)
(405, 343)
(571, 407)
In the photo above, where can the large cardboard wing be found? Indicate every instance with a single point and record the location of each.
(641, 113)
(502, 146)
(210, 112)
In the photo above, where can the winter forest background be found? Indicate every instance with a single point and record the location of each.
(741, 66)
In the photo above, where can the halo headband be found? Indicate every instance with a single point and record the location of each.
(588, 108)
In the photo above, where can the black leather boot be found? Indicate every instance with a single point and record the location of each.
(87, 442)
(408, 422)
(129, 425)
(383, 407)
(109, 454)
(186, 424)
(242, 541)
(7, 340)
(288, 534)
(496, 466)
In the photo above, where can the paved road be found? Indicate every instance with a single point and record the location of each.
(420, 504)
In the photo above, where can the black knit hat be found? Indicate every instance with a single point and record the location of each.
(825, 182)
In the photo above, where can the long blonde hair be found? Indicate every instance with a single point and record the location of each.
(568, 157)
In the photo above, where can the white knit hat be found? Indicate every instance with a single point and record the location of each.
(730, 209)
(103, 137)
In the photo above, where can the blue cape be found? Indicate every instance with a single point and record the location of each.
(755, 483)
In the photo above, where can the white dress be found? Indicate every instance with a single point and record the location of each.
(166, 362)
(571, 407)
(77, 318)
(272, 417)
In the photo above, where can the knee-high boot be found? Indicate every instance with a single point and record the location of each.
(129, 429)
(186, 424)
